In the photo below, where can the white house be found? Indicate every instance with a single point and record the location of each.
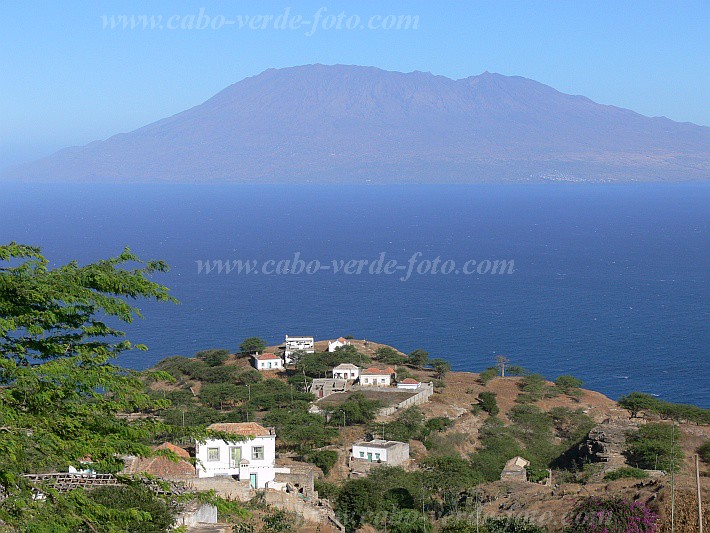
(337, 343)
(408, 384)
(294, 344)
(346, 371)
(250, 457)
(267, 361)
(376, 377)
(391, 452)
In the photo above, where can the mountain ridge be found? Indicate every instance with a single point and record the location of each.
(345, 123)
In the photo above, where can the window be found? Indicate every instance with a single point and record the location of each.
(257, 453)
(213, 454)
(377, 456)
(382, 380)
(362, 454)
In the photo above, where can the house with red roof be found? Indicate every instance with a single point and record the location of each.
(377, 377)
(337, 343)
(250, 455)
(267, 361)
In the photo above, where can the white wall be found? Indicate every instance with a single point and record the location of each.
(357, 450)
(370, 380)
(263, 468)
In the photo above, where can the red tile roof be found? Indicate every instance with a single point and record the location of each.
(245, 429)
(342, 339)
(181, 452)
(377, 371)
(410, 381)
(267, 357)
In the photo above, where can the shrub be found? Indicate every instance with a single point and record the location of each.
(439, 423)
(650, 447)
(512, 524)
(213, 357)
(323, 459)
(568, 385)
(611, 515)
(704, 452)
(626, 472)
(487, 402)
(390, 356)
(326, 489)
(488, 374)
(136, 499)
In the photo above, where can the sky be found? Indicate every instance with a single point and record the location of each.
(67, 77)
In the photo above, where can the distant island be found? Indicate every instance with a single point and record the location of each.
(353, 124)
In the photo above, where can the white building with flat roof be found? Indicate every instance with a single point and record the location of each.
(250, 457)
(391, 452)
(267, 361)
(295, 344)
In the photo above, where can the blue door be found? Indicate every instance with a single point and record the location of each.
(252, 480)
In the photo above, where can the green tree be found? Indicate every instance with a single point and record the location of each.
(569, 385)
(357, 498)
(252, 345)
(637, 402)
(654, 446)
(213, 357)
(419, 358)
(390, 356)
(487, 402)
(60, 390)
(441, 367)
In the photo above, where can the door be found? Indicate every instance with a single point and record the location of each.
(235, 456)
(369, 456)
(252, 480)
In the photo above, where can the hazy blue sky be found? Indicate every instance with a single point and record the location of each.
(66, 80)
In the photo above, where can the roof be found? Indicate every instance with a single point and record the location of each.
(410, 381)
(161, 466)
(245, 429)
(346, 366)
(378, 371)
(266, 357)
(517, 462)
(298, 338)
(379, 443)
(342, 339)
(181, 452)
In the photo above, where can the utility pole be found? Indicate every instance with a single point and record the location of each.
(423, 512)
(700, 499)
(672, 479)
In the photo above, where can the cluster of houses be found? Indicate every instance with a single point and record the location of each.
(368, 377)
(249, 458)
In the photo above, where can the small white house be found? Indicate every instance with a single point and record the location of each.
(267, 361)
(376, 377)
(408, 384)
(391, 452)
(346, 371)
(250, 457)
(295, 344)
(337, 343)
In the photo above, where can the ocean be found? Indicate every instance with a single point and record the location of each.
(609, 283)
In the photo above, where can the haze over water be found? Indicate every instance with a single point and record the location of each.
(610, 283)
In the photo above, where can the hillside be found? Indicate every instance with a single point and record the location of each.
(333, 124)
(581, 434)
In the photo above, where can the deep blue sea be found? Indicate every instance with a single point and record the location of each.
(610, 281)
